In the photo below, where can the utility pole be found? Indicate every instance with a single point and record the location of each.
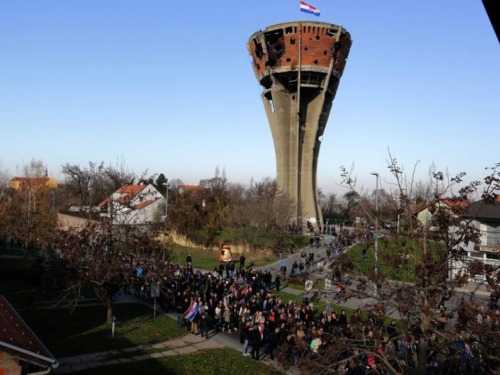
(375, 234)
(53, 194)
(166, 216)
(90, 204)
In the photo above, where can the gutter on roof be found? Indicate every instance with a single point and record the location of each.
(49, 369)
(52, 361)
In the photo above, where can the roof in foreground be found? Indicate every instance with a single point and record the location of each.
(19, 340)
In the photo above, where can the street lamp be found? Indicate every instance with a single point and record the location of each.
(53, 217)
(375, 234)
(166, 215)
(90, 203)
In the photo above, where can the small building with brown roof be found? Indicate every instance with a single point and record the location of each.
(21, 352)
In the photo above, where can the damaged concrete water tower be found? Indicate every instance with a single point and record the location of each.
(299, 64)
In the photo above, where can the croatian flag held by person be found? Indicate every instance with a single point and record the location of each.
(304, 7)
(245, 290)
(191, 312)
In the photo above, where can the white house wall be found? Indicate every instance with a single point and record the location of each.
(473, 254)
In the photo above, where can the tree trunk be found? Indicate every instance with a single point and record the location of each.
(109, 309)
(421, 357)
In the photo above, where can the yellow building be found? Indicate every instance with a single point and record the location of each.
(20, 183)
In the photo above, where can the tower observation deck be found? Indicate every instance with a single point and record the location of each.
(299, 65)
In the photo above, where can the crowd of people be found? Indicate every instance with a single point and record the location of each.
(246, 303)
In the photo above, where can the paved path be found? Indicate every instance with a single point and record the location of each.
(183, 345)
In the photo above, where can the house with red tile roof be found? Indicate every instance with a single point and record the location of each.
(133, 204)
(21, 351)
(453, 206)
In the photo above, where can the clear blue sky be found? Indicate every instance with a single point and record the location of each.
(168, 86)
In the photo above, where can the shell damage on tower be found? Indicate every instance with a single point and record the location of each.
(299, 65)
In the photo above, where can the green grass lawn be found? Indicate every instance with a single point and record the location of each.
(207, 362)
(202, 259)
(20, 292)
(390, 248)
(301, 287)
(9, 251)
(15, 283)
(84, 331)
(319, 306)
(261, 237)
(209, 259)
(20, 283)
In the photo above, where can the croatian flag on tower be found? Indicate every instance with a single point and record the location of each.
(304, 7)
(191, 312)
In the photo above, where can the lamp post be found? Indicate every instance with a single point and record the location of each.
(53, 217)
(166, 216)
(375, 234)
(90, 203)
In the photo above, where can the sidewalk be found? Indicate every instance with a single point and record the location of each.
(180, 346)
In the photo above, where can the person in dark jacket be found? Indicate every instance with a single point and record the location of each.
(343, 319)
(255, 340)
(273, 340)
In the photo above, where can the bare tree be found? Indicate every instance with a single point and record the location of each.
(95, 182)
(78, 180)
(105, 256)
(436, 313)
(26, 213)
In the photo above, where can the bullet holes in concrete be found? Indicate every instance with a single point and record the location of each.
(288, 59)
(325, 53)
(317, 37)
(292, 41)
(293, 97)
(306, 49)
(315, 62)
(258, 49)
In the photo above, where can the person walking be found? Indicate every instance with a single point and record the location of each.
(205, 320)
(245, 337)
(283, 270)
